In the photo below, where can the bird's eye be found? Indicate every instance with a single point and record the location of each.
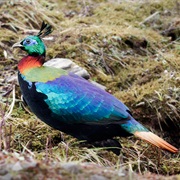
(28, 41)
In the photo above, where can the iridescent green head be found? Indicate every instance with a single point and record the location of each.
(34, 45)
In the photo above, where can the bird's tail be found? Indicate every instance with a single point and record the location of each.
(156, 141)
(135, 128)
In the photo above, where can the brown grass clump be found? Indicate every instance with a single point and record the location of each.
(130, 47)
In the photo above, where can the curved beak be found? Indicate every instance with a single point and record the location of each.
(17, 45)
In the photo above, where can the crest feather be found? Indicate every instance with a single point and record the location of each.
(45, 30)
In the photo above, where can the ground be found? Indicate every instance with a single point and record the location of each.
(131, 47)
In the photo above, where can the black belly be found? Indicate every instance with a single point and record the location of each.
(36, 102)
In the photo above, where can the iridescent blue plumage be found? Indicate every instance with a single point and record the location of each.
(79, 101)
(72, 104)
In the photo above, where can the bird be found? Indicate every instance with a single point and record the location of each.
(72, 104)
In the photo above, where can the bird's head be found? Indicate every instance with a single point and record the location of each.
(34, 45)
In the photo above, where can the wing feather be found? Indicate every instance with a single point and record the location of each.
(79, 101)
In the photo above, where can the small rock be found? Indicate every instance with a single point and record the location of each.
(71, 167)
(97, 177)
(98, 85)
(3, 171)
(6, 177)
(68, 65)
(59, 63)
(17, 167)
(27, 164)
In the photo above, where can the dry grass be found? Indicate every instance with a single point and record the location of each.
(123, 48)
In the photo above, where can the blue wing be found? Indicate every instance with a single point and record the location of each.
(76, 100)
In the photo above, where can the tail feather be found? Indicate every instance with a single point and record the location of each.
(155, 140)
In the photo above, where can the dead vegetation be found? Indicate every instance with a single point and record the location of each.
(130, 47)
